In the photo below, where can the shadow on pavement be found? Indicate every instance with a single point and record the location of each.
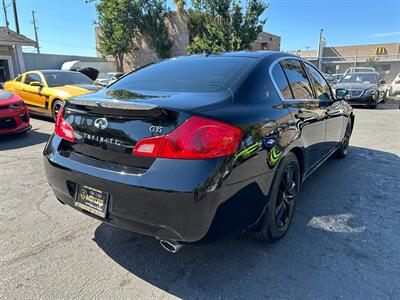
(341, 243)
(22, 140)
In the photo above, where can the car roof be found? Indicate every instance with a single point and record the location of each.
(235, 54)
(52, 71)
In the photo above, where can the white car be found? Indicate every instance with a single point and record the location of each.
(108, 78)
(394, 89)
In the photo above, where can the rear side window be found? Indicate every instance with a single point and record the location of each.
(202, 74)
(281, 81)
(320, 85)
(298, 80)
(31, 77)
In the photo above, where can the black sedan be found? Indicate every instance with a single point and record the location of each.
(365, 88)
(192, 148)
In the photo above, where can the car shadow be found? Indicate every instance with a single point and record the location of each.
(23, 140)
(335, 246)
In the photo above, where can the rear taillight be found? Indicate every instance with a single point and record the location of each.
(196, 138)
(63, 129)
(397, 82)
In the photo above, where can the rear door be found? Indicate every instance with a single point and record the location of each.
(298, 97)
(335, 113)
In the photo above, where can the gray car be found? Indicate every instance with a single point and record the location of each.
(365, 88)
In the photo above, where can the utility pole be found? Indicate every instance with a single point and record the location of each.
(15, 15)
(355, 59)
(5, 15)
(35, 29)
(319, 49)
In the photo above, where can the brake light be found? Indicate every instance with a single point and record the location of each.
(397, 82)
(63, 129)
(196, 138)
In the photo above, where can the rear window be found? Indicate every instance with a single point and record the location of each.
(194, 74)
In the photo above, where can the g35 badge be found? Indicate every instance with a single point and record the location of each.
(156, 129)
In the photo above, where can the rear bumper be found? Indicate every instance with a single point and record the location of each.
(179, 200)
(14, 121)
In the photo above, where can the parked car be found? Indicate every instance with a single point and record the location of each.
(365, 88)
(109, 78)
(394, 89)
(44, 91)
(189, 156)
(360, 70)
(14, 115)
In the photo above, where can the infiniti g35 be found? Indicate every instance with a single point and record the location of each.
(189, 149)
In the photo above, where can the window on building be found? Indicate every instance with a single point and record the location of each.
(281, 81)
(299, 83)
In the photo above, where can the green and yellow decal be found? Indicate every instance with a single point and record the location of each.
(273, 156)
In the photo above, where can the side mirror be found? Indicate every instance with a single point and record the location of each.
(36, 83)
(343, 94)
(382, 81)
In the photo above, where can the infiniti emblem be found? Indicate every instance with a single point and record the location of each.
(101, 123)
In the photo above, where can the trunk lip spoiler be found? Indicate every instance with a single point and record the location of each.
(118, 104)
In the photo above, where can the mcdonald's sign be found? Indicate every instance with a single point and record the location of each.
(380, 50)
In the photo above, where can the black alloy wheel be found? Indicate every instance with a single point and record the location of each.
(344, 145)
(286, 195)
(279, 213)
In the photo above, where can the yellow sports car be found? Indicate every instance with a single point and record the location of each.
(44, 91)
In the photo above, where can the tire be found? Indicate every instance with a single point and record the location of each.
(55, 108)
(344, 144)
(384, 97)
(278, 215)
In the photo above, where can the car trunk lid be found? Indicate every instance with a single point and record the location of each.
(107, 125)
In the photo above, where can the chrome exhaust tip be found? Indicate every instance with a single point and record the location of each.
(170, 246)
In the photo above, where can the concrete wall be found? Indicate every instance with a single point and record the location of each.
(34, 61)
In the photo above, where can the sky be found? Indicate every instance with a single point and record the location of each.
(67, 26)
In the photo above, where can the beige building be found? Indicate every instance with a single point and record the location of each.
(179, 34)
(335, 60)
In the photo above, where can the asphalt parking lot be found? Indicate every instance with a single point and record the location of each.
(344, 242)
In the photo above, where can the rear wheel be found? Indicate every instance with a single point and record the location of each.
(57, 104)
(344, 145)
(279, 213)
(384, 97)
